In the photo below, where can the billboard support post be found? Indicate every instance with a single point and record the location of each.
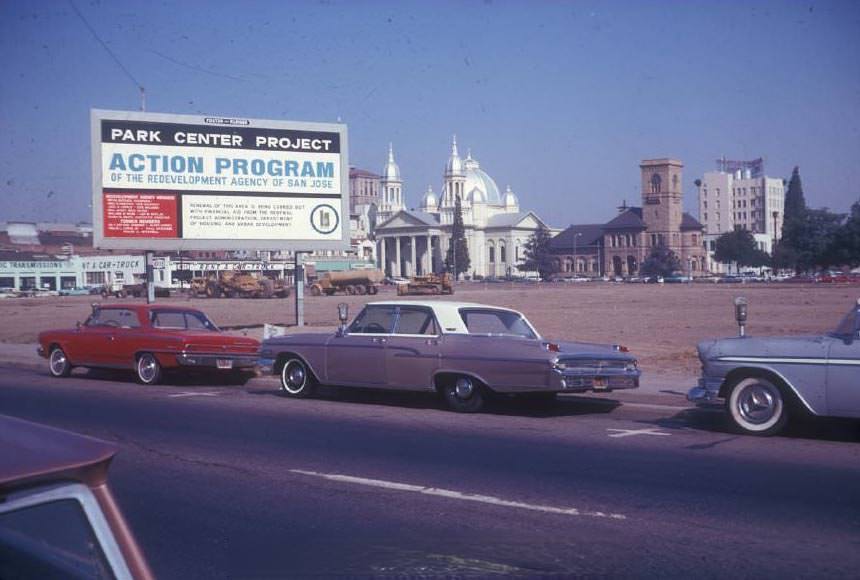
(299, 281)
(150, 278)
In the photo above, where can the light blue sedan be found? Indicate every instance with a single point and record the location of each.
(764, 380)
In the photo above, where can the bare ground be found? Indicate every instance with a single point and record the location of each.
(660, 324)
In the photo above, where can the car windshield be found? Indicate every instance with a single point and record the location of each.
(181, 320)
(848, 325)
(496, 322)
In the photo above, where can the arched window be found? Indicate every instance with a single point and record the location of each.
(492, 254)
(503, 258)
(656, 183)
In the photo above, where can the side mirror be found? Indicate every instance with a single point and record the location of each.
(741, 312)
(78, 325)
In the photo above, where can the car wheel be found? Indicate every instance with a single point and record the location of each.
(296, 379)
(58, 363)
(464, 395)
(148, 369)
(757, 406)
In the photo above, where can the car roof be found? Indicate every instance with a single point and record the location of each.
(34, 453)
(132, 306)
(447, 311)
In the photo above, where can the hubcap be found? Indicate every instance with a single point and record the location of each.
(295, 377)
(146, 368)
(58, 362)
(758, 403)
(464, 388)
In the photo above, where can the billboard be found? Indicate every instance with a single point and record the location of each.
(180, 182)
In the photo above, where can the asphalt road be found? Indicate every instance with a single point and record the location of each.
(241, 482)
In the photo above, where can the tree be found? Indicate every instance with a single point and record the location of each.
(537, 254)
(807, 234)
(661, 262)
(811, 241)
(788, 250)
(739, 246)
(844, 249)
(457, 260)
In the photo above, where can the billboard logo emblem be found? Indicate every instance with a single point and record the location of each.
(324, 219)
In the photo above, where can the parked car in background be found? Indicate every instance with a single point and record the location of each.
(463, 351)
(764, 380)
(58, 517)
(77, 291)
(149, 339)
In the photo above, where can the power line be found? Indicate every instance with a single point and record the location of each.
(112, 55)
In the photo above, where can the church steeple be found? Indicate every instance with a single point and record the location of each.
(392, 185)
(455, 177)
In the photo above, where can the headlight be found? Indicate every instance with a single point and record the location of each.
(632, 366)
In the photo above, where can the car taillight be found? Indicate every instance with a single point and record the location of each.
(620, 348)
(552, 347)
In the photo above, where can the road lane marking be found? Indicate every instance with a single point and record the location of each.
(450, 494)
(633, 432)
(192, 394)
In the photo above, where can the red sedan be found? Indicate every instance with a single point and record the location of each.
(149, 339)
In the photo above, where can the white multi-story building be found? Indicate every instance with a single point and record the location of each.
(738, 194)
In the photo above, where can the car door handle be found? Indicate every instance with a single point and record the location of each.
(431, 341)
(111, 338)
(380, 340)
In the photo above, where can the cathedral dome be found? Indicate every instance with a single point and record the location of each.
(430, 201)
(480, 187)
(391, 172)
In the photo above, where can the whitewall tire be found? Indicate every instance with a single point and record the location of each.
(757, 406)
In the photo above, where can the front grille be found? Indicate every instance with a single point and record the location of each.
(592, 366)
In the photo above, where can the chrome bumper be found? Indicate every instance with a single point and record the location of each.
(573, 382)
(707, 391)
(266, 366)
(217, 361)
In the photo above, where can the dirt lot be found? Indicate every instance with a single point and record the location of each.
(661, 324)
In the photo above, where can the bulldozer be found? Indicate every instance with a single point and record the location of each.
(430, 284)
(348, 282)
(237, 284)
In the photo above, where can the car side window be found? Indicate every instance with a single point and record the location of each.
(167, 319)
(195, 321)
(499, 322)
(114, 317)
(416, 321)
(373, 320)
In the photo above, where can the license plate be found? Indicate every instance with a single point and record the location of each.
(224, 363)
(599, 383)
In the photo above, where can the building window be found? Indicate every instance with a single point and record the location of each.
(502, 256)
(655, 183)
(492, 255)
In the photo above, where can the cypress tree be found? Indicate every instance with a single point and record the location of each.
(457, 259)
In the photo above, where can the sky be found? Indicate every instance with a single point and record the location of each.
(559, 100)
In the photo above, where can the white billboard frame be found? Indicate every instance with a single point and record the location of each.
(225, 125)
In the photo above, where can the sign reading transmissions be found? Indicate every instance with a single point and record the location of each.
(177, 182)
